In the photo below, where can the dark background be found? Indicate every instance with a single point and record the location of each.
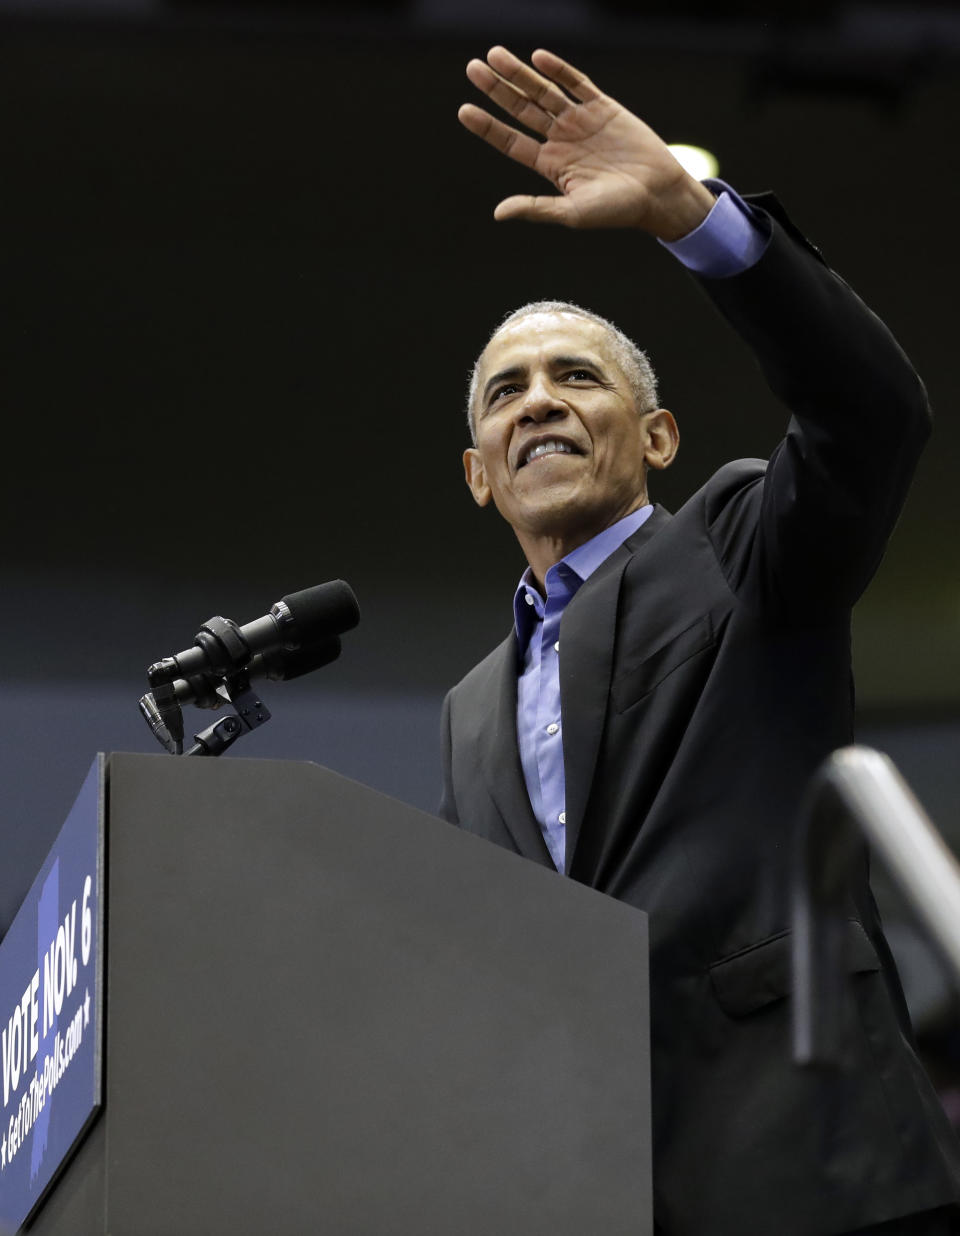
(247, 257)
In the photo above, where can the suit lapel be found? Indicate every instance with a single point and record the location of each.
(587, 637)
(500, 755)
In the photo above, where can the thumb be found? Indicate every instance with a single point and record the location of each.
(533, 209)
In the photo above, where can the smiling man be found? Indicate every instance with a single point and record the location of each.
(670, 683)
(565, 424)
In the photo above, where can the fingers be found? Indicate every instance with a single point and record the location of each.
(523, 93)
(533, 209)
(512, 100)
(527, 81)
(579, 85)
(499, 135)
(532, 96)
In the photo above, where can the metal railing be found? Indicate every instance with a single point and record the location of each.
(856, 795)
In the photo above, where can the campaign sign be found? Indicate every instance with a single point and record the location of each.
(51, 1011)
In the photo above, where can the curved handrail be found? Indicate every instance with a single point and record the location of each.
(857, 794)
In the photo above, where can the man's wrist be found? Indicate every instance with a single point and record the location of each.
(687, 210)
(730, 239)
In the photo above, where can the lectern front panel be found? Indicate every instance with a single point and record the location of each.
(330, 1012)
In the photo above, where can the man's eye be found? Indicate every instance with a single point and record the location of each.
(509, 389)
(580, 375)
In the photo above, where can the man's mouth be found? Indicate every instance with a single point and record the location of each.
(540, 450)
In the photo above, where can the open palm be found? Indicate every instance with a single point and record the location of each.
(611, 169)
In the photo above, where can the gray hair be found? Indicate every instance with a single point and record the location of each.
(629, 357)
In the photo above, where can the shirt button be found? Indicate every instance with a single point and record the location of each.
(562, 817)
(552, 727)
(528, 598)
(556, 647)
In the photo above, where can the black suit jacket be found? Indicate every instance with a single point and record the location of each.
(704, 674)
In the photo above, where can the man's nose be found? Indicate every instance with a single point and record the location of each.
(542, 402)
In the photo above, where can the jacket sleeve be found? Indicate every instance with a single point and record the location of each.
(835, 484)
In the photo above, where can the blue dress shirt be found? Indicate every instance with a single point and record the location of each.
(731, 239)
(539, 724)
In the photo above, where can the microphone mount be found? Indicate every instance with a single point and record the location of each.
(163, 713)
(249, 713)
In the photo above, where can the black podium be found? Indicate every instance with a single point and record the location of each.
(329, 1012)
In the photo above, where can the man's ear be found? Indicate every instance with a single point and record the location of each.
(476, 476)
(663, 438)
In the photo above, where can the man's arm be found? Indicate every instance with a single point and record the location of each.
(836, 482)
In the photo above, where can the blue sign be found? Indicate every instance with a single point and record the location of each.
(51, 977)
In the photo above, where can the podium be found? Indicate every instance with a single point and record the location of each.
(326, 1011)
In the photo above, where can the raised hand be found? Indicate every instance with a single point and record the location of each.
(610, 168)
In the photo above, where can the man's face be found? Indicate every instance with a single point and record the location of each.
(561, 449)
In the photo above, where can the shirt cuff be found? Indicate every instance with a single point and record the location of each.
(730, 240)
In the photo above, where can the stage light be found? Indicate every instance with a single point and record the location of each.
(697, 161)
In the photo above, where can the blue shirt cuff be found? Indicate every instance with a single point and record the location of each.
(729, 241)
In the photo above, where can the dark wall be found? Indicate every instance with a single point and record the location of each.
(245, 273)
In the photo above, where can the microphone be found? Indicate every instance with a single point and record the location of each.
(299, 634)
(165, 719)
(278, 666)
(303, 622)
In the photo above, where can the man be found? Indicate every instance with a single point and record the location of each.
(673, 681)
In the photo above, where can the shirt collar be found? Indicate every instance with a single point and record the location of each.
(581, 562)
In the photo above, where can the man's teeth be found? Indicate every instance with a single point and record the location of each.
(549, 448)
